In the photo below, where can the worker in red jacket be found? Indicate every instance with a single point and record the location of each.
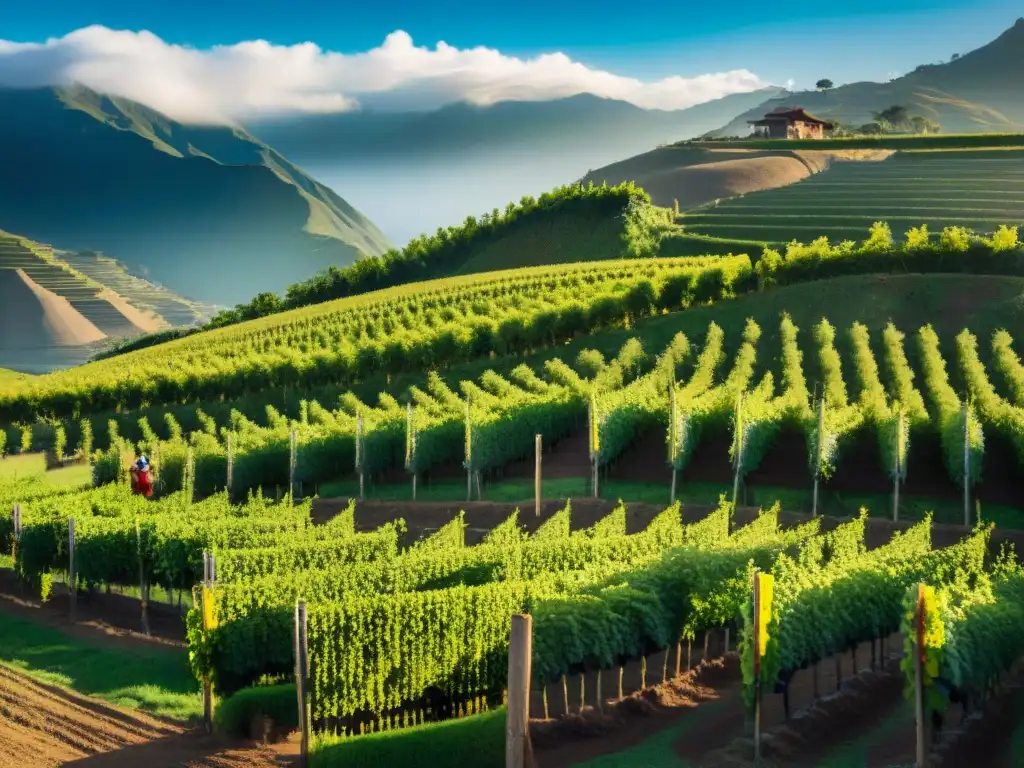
(142, 482)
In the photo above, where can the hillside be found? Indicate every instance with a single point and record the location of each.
(693, 176)
(979, 91)
(975, 189)
(208, 212)
(57, 307)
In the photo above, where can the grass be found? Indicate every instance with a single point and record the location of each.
(155, 681)
(478, 740)
(26, 465)
(980, 191)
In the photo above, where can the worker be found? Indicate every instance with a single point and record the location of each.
(142, 482)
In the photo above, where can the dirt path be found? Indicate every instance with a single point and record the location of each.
(43, 725)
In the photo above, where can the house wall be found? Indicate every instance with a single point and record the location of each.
(802, 130)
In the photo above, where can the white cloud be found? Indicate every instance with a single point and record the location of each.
(256, 79)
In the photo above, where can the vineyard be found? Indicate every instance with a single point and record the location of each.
(406, 628)
(980, 190)
(892, 413)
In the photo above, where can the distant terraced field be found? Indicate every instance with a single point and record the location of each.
(59, 309)
(975, 189)
(141, 293)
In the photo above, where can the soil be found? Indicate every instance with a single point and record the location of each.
(45, 726)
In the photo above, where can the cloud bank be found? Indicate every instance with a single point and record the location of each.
(257, 80)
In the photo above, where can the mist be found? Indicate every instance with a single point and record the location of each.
(412, 196)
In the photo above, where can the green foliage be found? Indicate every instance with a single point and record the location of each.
(995, 413)
(1009, 364)
(950, 413)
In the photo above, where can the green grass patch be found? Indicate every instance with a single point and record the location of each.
(478, 741)
(157, 681)
(34, 465)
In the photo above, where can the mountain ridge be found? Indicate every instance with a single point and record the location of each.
(976, 92)
(222, 215)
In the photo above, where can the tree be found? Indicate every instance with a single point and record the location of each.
(895, 117)
(824, 85)
(955, 57)
(924, 125)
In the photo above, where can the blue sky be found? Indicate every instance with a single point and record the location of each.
(842, 40)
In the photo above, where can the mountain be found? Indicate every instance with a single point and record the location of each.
(208, 212)
(977, 92)
(413, 172)
(584, 123)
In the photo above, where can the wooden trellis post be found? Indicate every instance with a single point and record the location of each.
(231, 463)
(897, 472)
(293, 444)
(537, 448)
(359, 456)
(143, 584)
(209, 622)
(518, 752)
(16, 516)
(302, 677)
(918, 650)
(469, 454)
(72, 573)
(819, 450)
(967, 464)
(594, 430)
(739, 445)
(410, 446)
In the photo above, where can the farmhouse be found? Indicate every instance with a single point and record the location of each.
(789, 123)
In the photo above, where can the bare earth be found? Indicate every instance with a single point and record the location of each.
(61, 324)
(43, 726)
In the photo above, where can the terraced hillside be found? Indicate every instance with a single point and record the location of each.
(175, 310)
(56, 315)
(972, 188)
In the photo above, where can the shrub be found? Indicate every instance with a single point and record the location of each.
(917, 238)
(879, 238)
(278, 702)
(955, 239)
(1004, 239)
(589, 363)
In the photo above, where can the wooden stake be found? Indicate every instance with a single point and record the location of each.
(518, 753)
(72, 574)
(819, 450)
(143, 586)
(922, 754)
(231, 463)
(16, 514)
(898, 469)
(359, 456)
(967, 465)
(301, 678)
(293, 448)
(672, 493)
(537, 446)
(739, 450)
(757, 670)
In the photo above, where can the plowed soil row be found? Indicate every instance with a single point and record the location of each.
(43, 726)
